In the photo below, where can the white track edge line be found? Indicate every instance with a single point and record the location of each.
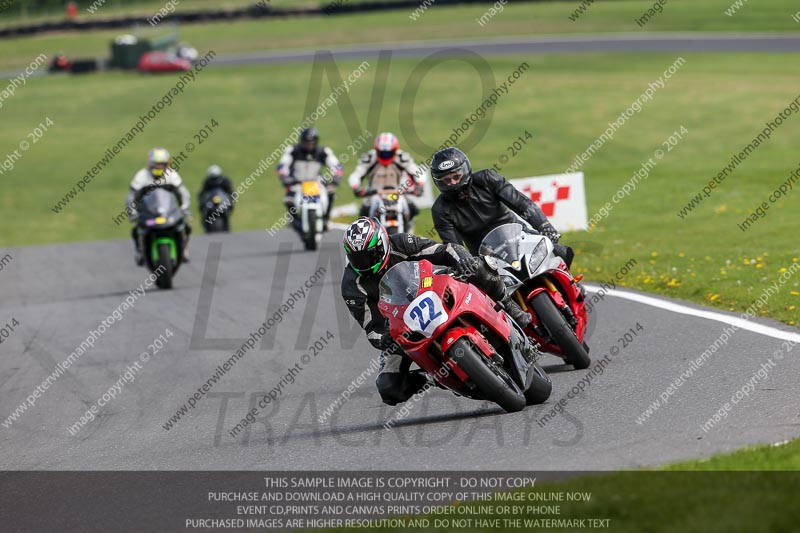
(739, 322)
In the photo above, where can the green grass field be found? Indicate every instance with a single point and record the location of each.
(751, 490)
(564, 101)
(529, 19)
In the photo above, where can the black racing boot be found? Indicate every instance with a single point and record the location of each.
(515, 312)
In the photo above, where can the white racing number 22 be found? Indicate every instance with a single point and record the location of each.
(425, 313)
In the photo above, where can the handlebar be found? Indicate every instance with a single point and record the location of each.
(153, 186)
(373, 192)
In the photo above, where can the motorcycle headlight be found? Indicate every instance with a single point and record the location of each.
(538, 255)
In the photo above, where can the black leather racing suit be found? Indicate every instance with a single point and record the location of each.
(361, 294)
(468, 215)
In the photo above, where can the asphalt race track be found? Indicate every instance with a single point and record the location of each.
(548, 44)
(58, 293)
(617, 42)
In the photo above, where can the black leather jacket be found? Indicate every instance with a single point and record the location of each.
(361, 293)
(468, 215)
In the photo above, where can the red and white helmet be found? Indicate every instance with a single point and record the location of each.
(386, 145)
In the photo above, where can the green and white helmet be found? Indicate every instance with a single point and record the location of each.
(367, 246)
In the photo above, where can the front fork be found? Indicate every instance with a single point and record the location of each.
(569, 316)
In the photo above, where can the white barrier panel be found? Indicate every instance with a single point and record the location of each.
(562, 198)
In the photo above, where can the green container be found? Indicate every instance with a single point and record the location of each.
(126, 51)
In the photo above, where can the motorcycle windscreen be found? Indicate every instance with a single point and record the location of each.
(216, 196)
(503, 243)
(159, 203)
(399, 286)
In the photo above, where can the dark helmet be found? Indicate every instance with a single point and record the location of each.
(367, 246)
(309, 138)
(450, 170)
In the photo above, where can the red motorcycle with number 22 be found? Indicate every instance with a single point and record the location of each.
(457, 335)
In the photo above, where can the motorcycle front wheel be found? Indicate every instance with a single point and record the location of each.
(491, 382)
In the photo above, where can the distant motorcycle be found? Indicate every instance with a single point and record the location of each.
(454, 333)
(390, 207)
(162, 230)
(543, 286)
(216, 207)
(311, 204)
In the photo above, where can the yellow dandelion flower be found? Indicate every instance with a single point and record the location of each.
(760, 265)
(681, 254)
(713, 297)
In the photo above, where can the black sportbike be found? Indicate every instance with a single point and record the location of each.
(216, 207)
(162, 232)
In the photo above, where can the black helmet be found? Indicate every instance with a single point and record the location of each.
(309, 134)
(308, 139)
(367, 246)
(450, 170)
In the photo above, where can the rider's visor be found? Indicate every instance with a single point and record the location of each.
(367, 262)
(386, 156)
(158, 169)
(453, 178)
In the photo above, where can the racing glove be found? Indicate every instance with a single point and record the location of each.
(385, 342)
(549, 231)
(467, 268)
